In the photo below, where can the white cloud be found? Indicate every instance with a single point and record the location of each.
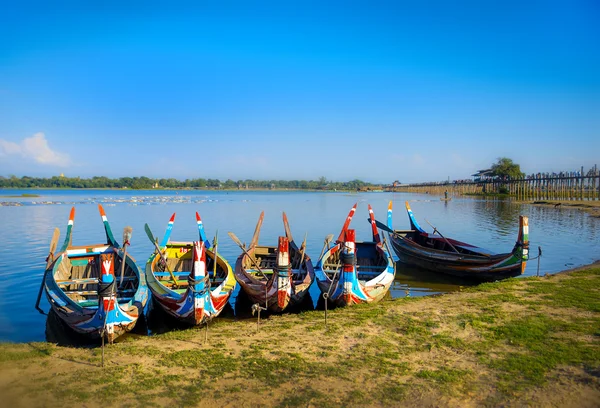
(36, 148)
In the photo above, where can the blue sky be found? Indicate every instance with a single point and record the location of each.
(379, 91)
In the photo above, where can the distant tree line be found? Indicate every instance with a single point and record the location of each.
(198, 183)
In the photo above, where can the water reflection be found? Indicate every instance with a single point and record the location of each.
(421, 282)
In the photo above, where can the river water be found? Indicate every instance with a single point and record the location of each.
(568, 237)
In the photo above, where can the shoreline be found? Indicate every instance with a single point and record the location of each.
(523, 341)
(591, 207)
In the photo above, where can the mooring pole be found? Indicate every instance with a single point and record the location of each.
(326, 296)
(539, 256)
(257, 308)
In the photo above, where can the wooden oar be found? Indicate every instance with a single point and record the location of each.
(239, 243)
(155, 242)
(53, 244)
(382, 226)
(49, 260)
(254, 241)
(447, 242)
(303, 250)
(328, 239)
(286, 226)
(127, 231)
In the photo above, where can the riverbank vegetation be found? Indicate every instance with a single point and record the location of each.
(519, 342)
(171, 183)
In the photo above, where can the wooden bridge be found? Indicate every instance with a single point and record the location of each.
(576, 185)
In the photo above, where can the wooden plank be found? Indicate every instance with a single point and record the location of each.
(161, 274)
(84, 281)
(94, 292)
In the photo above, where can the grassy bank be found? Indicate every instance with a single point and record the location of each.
(533, 341)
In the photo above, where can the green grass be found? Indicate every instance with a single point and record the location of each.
(210, 362)
(444, 375)
(302, 398)
(16, 352)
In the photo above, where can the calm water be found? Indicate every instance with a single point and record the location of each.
(568, 238)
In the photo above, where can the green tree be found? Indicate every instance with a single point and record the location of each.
(505, 168)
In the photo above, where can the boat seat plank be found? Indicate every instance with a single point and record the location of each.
(83, 281)
(93, 304)
(90, 281)
(93, 292)
(184, 283)
(177, 273)
(255, 271)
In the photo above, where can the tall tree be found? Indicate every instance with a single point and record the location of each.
(505, 167)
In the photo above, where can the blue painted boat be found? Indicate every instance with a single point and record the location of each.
(351, 272)
(96, 289)
(188, 280)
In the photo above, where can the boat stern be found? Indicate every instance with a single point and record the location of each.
(349, 291)
(523, 241)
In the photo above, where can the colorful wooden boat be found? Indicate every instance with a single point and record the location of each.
(352, 272)
(275, 277)
(188, 280)
(440, 254)
(96, 289)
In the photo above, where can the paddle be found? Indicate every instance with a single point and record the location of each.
(447, 242)
(286, 226)
(254, 241)
(215, 245)
(328, 239)
(155, 242)
(239, 243)
(127, 231)
(382, 226)
(303, 249)
(49, 260)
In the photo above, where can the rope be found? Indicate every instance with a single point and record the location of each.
(283, 270)
(192, 282)
(106, 289)
(348, 259)
(539, 255)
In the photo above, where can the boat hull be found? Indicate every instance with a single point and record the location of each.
(356, 286)
(437, 253)
(96, 318)
(199, 302)
(278, 293)
(473, 267)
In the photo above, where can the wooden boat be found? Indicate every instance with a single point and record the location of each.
(440, 254)
(96, 289)
(188, 280)
(352, 272)
(275, 277)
